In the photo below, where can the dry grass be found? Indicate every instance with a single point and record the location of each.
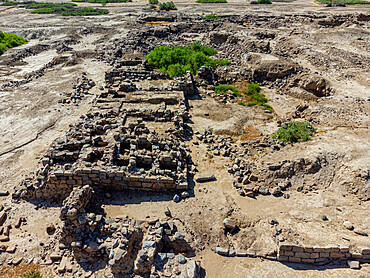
(7, 271)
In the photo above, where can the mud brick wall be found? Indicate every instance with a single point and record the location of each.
(62, 182)
(318, 254)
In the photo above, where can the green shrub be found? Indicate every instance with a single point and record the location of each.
(43, 11)
(31, 274)
(211, 1)
(177, 60)
(85, 11)
(264, 2)
(252, 89)
(241, 103)
(295, 132)
(169, 6)
(212, 16)
(36, 5)
(153, 2)
(8, 40)
(65, 9)
(225, 88)
(254, 96)
(10, 3)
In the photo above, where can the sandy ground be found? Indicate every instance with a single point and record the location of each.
(31, 118)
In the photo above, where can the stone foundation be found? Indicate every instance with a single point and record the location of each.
(319, 254)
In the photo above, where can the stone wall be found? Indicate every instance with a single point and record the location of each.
(114, 180)
(318, 254)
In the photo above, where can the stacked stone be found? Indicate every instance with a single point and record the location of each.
(90, 154)
(80, 90)
(151, 243)
(114, 77)
(318, 254)
(172, 265)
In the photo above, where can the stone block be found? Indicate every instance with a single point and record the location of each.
(337, 255)
(315, 255)
(332, 248)
(319, 249)
(222, 251)
(308, 261)
(120, 174)
(308, 249)
(294, 259)
(302, 255)
(59, 173)
(343, 248)
(2, 217)
(147, 184)
(285, 247)
(297, 248)
(68, 174)
(365, 250)
(289, 253)
(321, 260)
(71, 182)
(324, 255)
(182, 186)
(282, 258)
(366, 257)
(354, 264)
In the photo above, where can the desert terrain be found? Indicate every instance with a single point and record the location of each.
(313, 65)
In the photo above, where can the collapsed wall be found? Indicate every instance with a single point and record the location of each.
(126, 245)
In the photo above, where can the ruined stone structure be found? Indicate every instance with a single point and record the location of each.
(131, 139)
(124, 244)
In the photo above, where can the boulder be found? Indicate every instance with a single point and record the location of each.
(354, 264)
(222, 251)
(348, 225)
(360, 231)
(205, 177)
(229, 223)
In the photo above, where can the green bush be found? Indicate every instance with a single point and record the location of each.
(10, 3)
(177, 60)
(212, 16)
(169, 6)
(31, 274)
(36, 5)
(65, 9)
(252, 89)
(211, 1)
(264, 2)
(153, 2)
(254, 96)
(85, 11)
(225, 88)
(295, 132)
(43, 11)
(8, 40)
